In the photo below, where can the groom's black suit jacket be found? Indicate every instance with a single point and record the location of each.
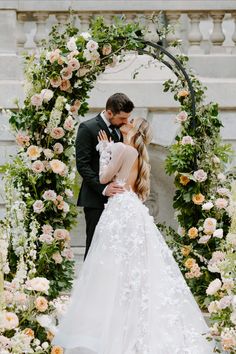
(87, 162)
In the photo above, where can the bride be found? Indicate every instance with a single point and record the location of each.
(130, 297)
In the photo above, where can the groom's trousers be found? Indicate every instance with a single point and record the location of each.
(92, 216)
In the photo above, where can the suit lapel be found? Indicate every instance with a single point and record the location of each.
(103, 125)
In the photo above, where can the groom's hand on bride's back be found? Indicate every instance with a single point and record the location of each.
(112, 189)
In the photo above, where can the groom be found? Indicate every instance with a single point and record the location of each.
(93, 195)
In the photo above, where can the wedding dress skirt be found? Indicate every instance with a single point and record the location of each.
(130, 297)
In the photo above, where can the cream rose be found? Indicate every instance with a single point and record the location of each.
(41, 304)
(218, 233)
(71, 44)
(187, 140)
(66, 73)
(38, 206)
(106, 49)
(209, 225)
(37, 100)
(58, 148)
(200, 175)
(34, 152)
(92, 45)
(10, 320)
(57, 166)
(207, 206)
(38, 284)
(49, 195)
(182, 117)
(57, 258)
(47, 95)
(221, 203)
(61, 234)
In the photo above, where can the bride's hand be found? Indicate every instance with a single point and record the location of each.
(102, 136)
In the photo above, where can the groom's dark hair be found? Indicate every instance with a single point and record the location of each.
(119, 102)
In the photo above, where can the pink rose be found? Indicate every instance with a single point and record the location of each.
(200, 175)
(54, 56)
(223, 191)
(37, 100)
(182, 117)
(22, 140)
(49, 195)
(46, 238)
(73, 64)
(221, 203)
(187, 140)
(68, 253)
(55, 82)
(66, 73)
(37, 166)
(57, 166)
(58, 148)
(72, 54)
(57, 133)
(61, 234)
(38, 206)
(47, 229)
(69, 123)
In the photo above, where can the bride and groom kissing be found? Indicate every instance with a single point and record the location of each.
(130, 296)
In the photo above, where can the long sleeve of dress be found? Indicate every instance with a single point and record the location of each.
(111, 158)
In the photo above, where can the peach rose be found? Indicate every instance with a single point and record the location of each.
(185, 250)
(56, 350)
(82, 72)
(65, 85)
(183, 93)
(184, 180)
(33, 152)
(55, 82)
(29, 332)
(61, 234)
(190, 263)
(106, 49)
(193, 232)
(57, 166)
(57, 133)
(198, 199)
(41, 304)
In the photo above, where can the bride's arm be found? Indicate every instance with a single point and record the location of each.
(111, 158)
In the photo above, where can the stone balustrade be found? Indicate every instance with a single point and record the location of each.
(204, 27)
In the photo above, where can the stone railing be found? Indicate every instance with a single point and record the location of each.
(204, 27)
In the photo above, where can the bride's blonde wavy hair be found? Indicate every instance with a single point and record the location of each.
(140, 136)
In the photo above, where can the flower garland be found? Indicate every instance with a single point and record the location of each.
(35, 255)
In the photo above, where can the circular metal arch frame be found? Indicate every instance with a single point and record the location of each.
(179, 66)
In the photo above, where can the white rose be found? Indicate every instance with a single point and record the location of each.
(49, 195)
(85, 35)
(187, 140)
(209, 225)
(38, 284)
(213, 287)
(182, 117)
(200, 175)
(38, 206)
(213, 307)
(218, 233)
(47, 95)
(207, 206)
(92, 45)
(71, 44)
(231, 239)
(204, 239)
(221, 203)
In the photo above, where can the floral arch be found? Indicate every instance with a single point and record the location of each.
(36, 259)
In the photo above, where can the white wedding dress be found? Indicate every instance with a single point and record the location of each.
(130, 297)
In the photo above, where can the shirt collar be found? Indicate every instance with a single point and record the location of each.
(102, 114)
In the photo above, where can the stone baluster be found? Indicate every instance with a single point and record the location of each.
(21, 36)
(84, 22)
(62, 18)
(151, 32)
(234, 34)
(40, 19)
(172, 36)
(195, 35)
(217, 36)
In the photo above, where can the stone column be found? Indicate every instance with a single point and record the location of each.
(234, 34)
(10, 76)
(194, 36)
(217, 37)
